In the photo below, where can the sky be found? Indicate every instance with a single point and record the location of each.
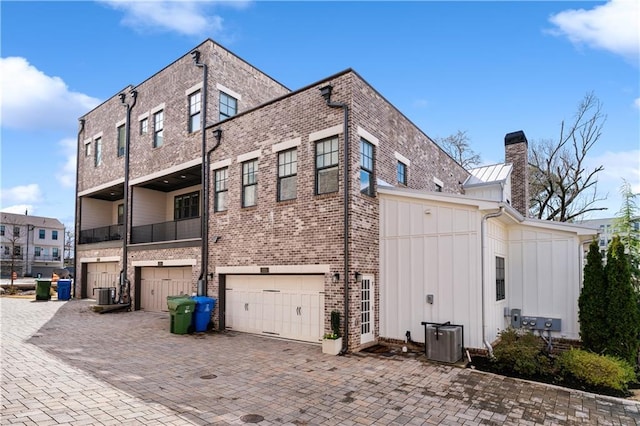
(486, 68)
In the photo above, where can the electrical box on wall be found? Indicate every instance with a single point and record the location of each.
(515, 318)
(430, 299)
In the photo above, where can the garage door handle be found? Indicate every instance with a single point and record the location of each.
(299, 310)
(246, 306)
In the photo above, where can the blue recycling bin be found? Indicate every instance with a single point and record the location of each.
(202, 314)
(64, 289)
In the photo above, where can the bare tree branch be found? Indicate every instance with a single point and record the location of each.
(457, 146)
(561, 186)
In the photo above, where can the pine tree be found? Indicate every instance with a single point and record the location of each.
(593, 302)
(623, 317)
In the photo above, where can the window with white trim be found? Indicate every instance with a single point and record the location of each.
(250, 183)
(158, 129)
(195, 106)
(221, 190)
(98, 156)
(366, 168)
(121, 140)
(327, 166)
(228, 106)
(144, 126)
(287, 174)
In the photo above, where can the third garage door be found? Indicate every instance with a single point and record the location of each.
(156, 283)
(287, 306)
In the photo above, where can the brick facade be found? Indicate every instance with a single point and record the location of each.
(308, 230)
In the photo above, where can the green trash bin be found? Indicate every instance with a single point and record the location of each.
(181, 310)
(43, 289)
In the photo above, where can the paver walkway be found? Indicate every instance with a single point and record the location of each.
(63, 364)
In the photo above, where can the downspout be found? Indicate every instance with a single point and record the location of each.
(204, 216)
(483, 232)
(77, 211)
(124, 281)
(326, 93)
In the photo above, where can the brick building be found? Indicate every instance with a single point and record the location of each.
(280, 235)
(212, 178)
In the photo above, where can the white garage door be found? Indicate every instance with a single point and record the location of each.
(101, 274)
(156, 283)
(287, 306)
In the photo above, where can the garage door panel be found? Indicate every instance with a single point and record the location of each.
(101, 274)
(156, 283)
(289, 306)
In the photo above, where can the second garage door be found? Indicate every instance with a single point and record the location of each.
(287, 306)
(156, 283)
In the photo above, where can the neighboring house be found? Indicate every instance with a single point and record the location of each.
(607, 229)
(32, 244)
(294, 206)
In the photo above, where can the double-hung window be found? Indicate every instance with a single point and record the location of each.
(366, 168)
(55, 253)
(195, 105)
(144, 126)
(250, 183)
(158, 129)
(41, 234)
(121, 140)
(287, 174)
(327, 166)
(221, 190)
(98, 156)
(500, 287)
(16, 231)
(228, 106)
(38, 251)
(2, 230)
(402, 173)
(54, 235)
(186, 206)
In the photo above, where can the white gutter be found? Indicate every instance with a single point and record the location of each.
(482, 277)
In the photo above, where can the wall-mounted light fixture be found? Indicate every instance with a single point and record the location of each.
(217, 133)
(216, 238)
(358, 277)
(335, 277)
(210, 274)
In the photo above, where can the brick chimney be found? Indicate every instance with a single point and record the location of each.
(516, 153)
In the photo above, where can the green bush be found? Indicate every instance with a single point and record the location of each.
(599, 371)
(520, 354)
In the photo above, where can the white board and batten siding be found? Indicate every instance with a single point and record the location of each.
(429, 247)
(548, 283)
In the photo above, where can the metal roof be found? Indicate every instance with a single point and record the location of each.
(486, 175)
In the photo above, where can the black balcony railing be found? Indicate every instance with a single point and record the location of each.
(104, 233)
(166, 231)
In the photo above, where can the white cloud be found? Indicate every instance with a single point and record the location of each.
(19, 209)
(32, 100)
(66, 175)
(636, 103)
(187, 17)
(617, 166)
(613, 26)
(21, 194)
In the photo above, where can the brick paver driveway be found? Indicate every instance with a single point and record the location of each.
(63, 364)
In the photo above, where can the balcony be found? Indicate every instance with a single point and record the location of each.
(43, 258)
(104, 233)
(166, 231)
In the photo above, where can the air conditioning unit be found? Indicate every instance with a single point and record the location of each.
(444, 343)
